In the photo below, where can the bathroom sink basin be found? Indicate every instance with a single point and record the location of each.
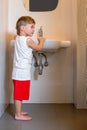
(65, 44)
(51, 45)
(54, 45)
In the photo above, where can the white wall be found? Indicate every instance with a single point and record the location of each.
(56, 83)
(4, 96)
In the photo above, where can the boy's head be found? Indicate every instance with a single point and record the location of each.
(23, 21)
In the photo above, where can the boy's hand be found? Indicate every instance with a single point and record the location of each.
(41, 39)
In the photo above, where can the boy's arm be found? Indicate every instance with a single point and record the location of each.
(35, 46)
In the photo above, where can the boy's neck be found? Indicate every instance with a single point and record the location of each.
(22, 33)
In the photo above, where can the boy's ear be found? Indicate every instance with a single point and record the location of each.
(22, 28)
(43, 5)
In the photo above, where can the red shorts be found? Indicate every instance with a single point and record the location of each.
(21, 89)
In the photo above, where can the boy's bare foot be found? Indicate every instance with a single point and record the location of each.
(23, 118)
(24, 113)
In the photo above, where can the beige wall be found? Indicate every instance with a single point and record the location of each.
(56, 24)
(4, 80)
(81, 56)
(66, 22)
(56, 83)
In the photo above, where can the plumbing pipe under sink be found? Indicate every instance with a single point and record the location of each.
(38, 61)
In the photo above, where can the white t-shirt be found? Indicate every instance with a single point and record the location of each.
(22, 59)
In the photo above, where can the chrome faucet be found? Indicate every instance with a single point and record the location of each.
(40, 32)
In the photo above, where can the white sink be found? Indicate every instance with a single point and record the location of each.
(51, 45)
(54, 45)
(65, 43)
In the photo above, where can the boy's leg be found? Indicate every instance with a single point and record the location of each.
(18, 103)
(18, 111)
(19, 89)
(18, 107)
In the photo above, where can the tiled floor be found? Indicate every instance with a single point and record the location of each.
(46, 117)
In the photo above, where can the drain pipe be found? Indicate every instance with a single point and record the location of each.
(35, 58)
(46, 62)
(38, 57)
(40, 66)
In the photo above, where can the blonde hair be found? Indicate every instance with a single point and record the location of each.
(23, 20)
